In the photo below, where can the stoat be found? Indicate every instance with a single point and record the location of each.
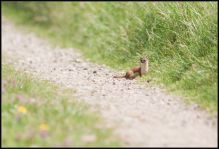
(135, 71)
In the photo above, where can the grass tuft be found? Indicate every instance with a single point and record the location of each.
(39, 113)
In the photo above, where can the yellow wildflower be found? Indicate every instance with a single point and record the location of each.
(22, 109)
(44, 127)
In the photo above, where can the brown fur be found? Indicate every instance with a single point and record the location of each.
(135, 71)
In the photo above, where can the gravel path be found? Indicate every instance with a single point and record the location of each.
(140, 114)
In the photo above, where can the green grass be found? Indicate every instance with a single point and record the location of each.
(179, 38)
(45, 103)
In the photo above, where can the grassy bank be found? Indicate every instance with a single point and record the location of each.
(179, 38)
(38, 113)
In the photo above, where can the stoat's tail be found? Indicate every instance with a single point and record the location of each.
(119, 76)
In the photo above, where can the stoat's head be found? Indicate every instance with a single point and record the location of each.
(143, 59)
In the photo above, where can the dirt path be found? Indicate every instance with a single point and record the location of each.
(141, 115)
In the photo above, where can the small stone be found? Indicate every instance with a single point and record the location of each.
(183, 123)
(213, 123)
(85, 69)
(114, 83)
(92, 92)
(195, 107)
(148, 81)
(77, 60)
(94, 71)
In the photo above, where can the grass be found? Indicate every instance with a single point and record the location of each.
(179, 38)
(39, 113)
